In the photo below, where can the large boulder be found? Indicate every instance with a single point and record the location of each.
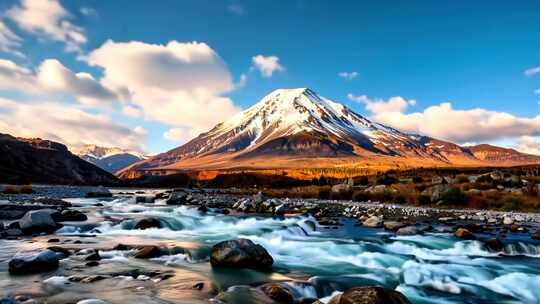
(98, 192)
(37, 221)
(147, 223)
(34, 262)
(393, 225)
(241, 253)
(369, 295)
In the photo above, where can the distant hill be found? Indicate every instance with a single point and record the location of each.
(291, 128)
(42, 161)
(109, 159)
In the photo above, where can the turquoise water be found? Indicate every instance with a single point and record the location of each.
(430, 268)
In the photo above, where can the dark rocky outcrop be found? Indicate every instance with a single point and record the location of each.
(43, 161)
(241, 253)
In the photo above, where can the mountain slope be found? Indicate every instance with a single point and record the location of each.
(501, 155)
(109, 159)
(298, 124)
(43, 161)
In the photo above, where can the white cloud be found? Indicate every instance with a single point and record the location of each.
(52, 75)
(180, 84)
(9, 41)
(348, 75)
(48, 18)
(267, 65)
(132, 111)
(140, 131)
(65, 124)
(537, 91)
(236, 9)
(532, 71)
(175, 134)
(528, 144)
(473, 125)
(16, 78)
(393, 104)
(241, 82)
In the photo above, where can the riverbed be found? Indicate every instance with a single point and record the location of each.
(315, 260)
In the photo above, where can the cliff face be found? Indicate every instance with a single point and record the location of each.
(42, 161)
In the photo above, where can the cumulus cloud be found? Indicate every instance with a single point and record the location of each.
(393, 104)
(65, 124)
(528, 144)
(267, 65)
(54, 76)
(180, 84)
(532, 71)
(50, 19)
(471, 125)
(348, 75)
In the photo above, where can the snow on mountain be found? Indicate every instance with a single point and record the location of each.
(301, 123)
(111, 159)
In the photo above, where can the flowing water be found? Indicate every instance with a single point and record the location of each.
(429, 268)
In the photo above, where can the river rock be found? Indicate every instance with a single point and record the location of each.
(494, 244)
(144, 199)
(34, 262)
(463, 233)
(38, 221)
(73, 216)
(409, 230)
(369, 295)
(373, 222)
(508, 220)
(146, 252)
(277, 293)
(147, 223)
(177, 198)
(281, 209)
(241, 253)
(99, 192)
(243, 294)
(536, 235)
(393, 225)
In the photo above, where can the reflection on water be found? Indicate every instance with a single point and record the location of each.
(431, 268)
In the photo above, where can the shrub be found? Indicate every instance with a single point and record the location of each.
(462, 179)
(399, 199)
(423, 200)
(386, 180)
(360, 196)
(364, 181)
(341, 195)
(417, 179)
(324, 192)
(9, 189)
(26, 189)
(323, 181)
(453, 196)
(509, 204)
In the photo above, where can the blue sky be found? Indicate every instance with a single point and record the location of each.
(406, 59)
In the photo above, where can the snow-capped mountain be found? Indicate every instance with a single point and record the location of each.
(110, 159)
(298, 123)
